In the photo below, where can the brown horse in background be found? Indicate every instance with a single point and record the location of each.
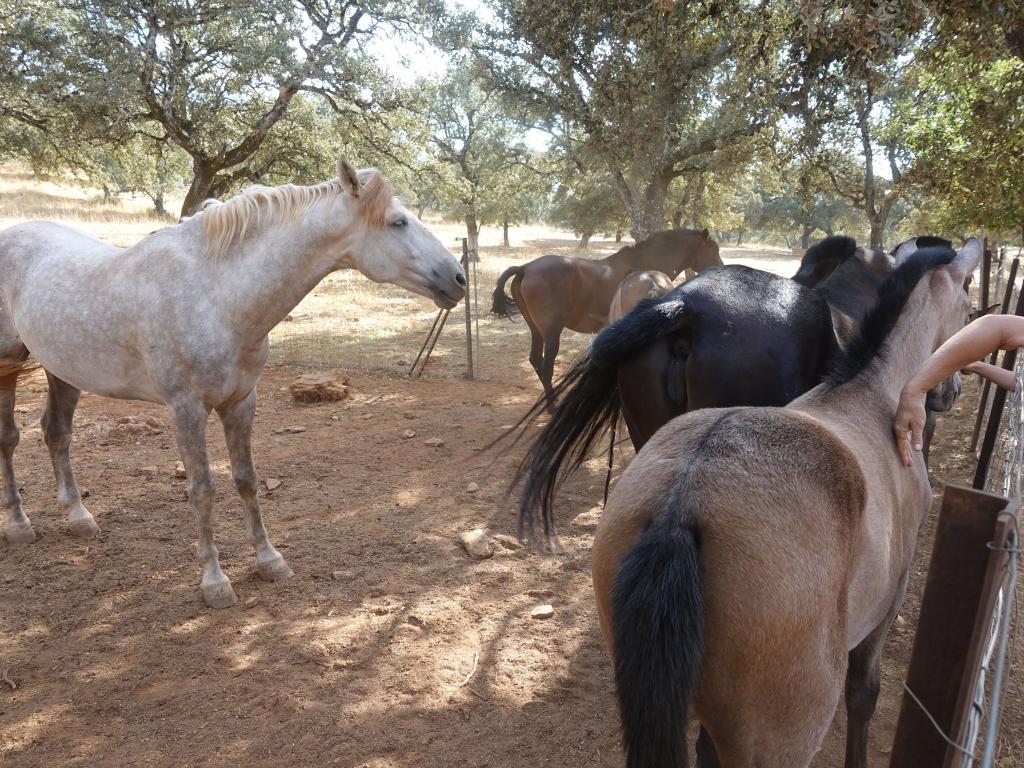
(557, 292)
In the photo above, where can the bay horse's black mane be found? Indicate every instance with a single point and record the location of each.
(879, 322)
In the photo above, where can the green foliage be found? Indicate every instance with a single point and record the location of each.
(480, 167)
(649, 94)
(966, 129)
(588, 204)
(211, 77)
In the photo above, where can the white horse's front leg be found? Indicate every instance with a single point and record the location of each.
(237, 419)
(190, 428)
(19, 529)
(62, 399)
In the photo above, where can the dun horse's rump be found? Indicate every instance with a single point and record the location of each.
(696, 598)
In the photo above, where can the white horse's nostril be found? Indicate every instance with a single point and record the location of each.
(460, 279)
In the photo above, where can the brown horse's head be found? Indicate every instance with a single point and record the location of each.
(701, 250)
(673, 250)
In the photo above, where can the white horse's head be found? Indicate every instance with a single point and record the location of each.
(395, 247)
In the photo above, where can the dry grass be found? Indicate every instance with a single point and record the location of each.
(348, 321)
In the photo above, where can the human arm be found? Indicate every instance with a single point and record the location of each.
(962, 350)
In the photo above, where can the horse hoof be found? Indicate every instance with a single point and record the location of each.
(21, 534)
(83, 527)
(219, 594)
(274, 570)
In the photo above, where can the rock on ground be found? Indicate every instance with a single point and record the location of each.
(477, 544)
(320, 387)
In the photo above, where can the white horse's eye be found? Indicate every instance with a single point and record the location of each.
(399, 222)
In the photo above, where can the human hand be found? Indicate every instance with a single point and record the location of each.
(908, 425)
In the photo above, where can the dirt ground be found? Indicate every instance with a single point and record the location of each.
(362, 658)
(389, 648)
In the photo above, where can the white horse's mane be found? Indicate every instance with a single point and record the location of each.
(228, 224)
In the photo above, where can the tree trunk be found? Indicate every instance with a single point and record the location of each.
(158, 203)
(504, 234)
(420, 210)
(697, 211)
(739, 237)
(201, 188)
(585, 240)
(878, 222)
(647, 216)
(618, 235)
(677, 218)
(805, 236)
(473, 236)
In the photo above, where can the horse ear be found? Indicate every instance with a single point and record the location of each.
(348, 177)
(967, 258)
(843, 327)
(905, 250)
(705, 234)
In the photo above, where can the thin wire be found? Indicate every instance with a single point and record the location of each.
(937, 727)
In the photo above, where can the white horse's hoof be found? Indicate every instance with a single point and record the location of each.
(219, 594)
(274, 570)
(83, 527)
(20, 534)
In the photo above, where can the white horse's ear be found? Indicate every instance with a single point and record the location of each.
(967, 258)
(905, 250)
(348, 177)
(843, 327)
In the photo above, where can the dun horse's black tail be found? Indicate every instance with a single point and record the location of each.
(587, 404)
(658, 630)
(502, 304)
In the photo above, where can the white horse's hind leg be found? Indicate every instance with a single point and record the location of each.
(190, 429)
(19, 529)
(237, 419)
(60, 412)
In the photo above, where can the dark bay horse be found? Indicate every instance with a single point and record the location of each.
(751, 560)
(730, 336)
(557, 292)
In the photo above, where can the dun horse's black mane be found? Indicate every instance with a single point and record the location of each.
(879, 322)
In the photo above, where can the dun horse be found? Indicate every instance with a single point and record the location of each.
(557, 292)
(634, 289)
(751, 560)
(182, 318)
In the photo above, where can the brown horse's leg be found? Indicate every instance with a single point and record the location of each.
(19, 528)
(61, 401)
(552, 340)
(536, 337)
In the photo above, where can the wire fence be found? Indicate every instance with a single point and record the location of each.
(1002, 476)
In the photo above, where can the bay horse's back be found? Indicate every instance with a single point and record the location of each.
(716, 568)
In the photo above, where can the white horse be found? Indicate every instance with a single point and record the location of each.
(182, 318)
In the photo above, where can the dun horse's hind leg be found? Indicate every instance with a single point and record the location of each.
(61, 402)
(19, 528)
(237, 419)
(863, 682)
(190, 427)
